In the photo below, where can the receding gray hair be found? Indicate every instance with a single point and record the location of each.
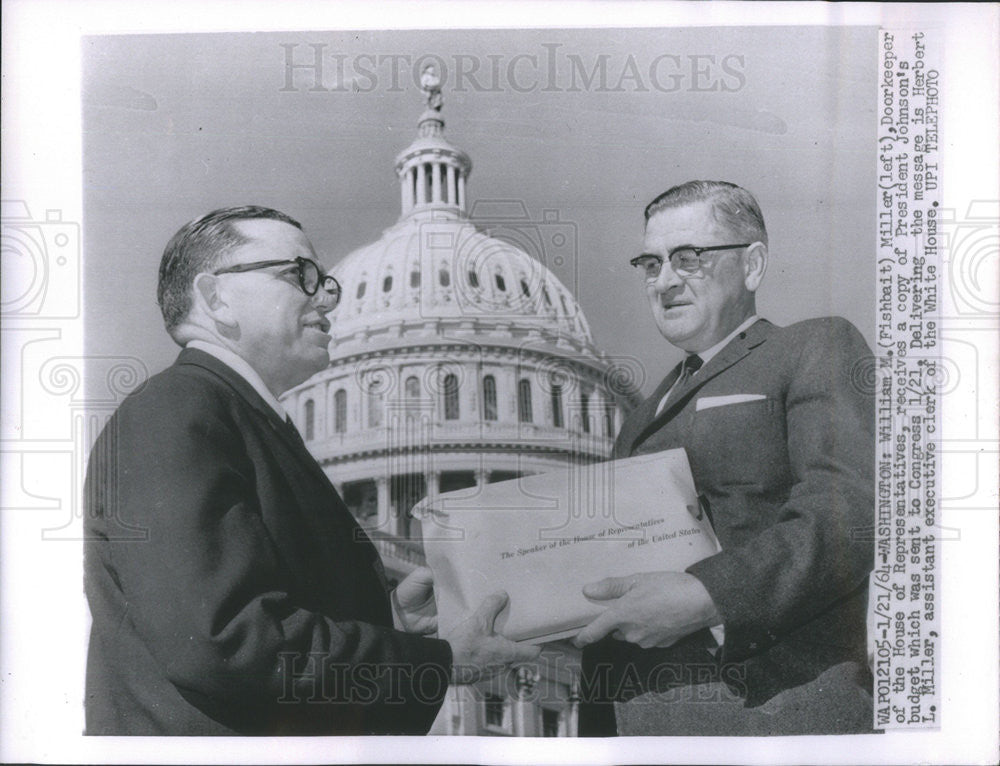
(732, 206)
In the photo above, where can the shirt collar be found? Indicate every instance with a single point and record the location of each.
(241, 367)
(710, 352)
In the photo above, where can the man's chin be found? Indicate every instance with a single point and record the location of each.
(318, 362)
(322, 361)
(675, 331)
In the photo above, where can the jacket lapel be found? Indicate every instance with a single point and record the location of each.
(733, 352)
(643, 415)
(279, 427)
(340, 514)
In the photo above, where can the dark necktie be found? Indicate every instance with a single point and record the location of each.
(691, 364)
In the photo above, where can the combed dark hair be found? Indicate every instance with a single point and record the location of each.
(732, 206)
(199, 246)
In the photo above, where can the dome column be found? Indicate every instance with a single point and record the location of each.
(432, 484)
(470, 410)
(421, 184)
(507, 395)
(407, 190)
(482, 477)
(573, 711)
(525, 724)
(383, 517)
(452, 189)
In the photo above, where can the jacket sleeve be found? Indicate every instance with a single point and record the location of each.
(205, 587)
(819, 550)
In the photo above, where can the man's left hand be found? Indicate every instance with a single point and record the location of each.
(651, 609)
(413, 607)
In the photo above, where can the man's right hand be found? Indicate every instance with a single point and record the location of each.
(478, 651)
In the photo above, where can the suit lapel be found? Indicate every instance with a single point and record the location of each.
(733, 352)
(643, 415)
(338, 514)
(279, 427)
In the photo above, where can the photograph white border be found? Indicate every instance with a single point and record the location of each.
(42, 612)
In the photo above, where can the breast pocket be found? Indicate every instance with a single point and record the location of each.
(743, 443)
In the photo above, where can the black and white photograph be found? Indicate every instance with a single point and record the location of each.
(556, 382)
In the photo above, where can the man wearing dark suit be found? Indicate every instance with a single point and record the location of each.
(768, 635)
(231, 590)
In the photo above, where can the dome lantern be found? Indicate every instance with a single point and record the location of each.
(432, 173)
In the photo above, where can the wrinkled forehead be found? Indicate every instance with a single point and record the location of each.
(693, 223)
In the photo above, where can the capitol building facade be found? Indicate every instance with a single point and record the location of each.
(459, 359)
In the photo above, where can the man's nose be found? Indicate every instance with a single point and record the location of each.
(667, 278)
(323, 301)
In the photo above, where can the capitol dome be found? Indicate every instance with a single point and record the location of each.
(437, 271)
(457, 357)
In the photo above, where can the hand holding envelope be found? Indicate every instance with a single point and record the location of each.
(413, 607)
(477, 651)
(542, 538)
(651, 609)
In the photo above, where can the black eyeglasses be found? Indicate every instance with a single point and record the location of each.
(311, 277)
(684, 260)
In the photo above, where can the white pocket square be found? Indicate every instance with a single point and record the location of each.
(707, 402)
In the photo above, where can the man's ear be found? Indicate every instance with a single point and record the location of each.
(211, 300)
(754, 265)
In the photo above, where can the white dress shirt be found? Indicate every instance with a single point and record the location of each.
(241, 367)
(707, 354)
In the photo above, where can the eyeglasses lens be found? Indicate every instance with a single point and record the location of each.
(308, 276)
(685, 261)
(649, 266)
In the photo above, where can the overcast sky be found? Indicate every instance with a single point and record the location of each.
(582, 125)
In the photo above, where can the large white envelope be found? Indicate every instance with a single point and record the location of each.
(542, 537)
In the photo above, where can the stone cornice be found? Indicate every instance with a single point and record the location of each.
(471, 447)
(471, 351)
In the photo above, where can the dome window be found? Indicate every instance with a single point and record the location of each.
(562, 299)
(414, 278)
(545, 295)
(412, 390)
(375, 403)
(524, 288)
(609, 419)
(340, 411)
(501, 285)
(473, 278)
(310, 420)
(361, 291)
(387, 283)
(524, 401)
(450, 397)
(489, 398)
(444, 278)
(557, 407)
